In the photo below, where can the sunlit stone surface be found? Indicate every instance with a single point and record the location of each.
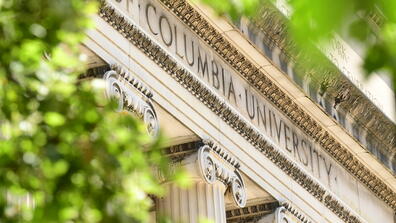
(258, 142)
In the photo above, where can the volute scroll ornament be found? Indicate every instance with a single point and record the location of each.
(132, 96)
(207, 164)
(238, 190)
(281, 217)
(214, 167)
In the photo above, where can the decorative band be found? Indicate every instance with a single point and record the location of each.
(220, 108)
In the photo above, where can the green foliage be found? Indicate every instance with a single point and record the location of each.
(371, 23)
(65, 155)
(234, 8)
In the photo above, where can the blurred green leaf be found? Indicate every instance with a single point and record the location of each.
(54, 119)
(65, 154)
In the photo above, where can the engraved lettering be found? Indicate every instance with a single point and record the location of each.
(303, 148)
(231, 91)
(287, 137)
(295, 146)
(169, 41)
(191, 63)
(215, 75)
(148, 6)
(278, 127)
(252, 112)
(328, 167)
(222, 79)
(261, 115)
(202, 65)
(176, 44)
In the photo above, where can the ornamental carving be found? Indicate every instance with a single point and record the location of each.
(294, 211)
(132, 96)
(245, 67)
(238, 191)
(228, 114)
(207, 165)
(213, 168)
(252, 213)
(281, 217)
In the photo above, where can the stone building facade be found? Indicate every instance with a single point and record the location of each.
(259, 142)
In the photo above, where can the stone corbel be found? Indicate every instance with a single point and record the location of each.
(132, 96)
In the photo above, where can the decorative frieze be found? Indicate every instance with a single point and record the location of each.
(256, 78)
(339, 89)
(231, 117)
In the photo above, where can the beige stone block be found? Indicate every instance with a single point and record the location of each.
(346, 140)
(348, 190)
(290, 87)
(315, 111)
(372, 208)
(250, 50)
(391, 181)
(218, 22)
(273, 72)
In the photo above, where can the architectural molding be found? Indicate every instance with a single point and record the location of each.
(238, 123)
(255, 213)
(221, 152)
(198, 24)
(215, 164)
(212, 178)
(336, 85)
(179, 152)
(251, 213)
(213, 169)
(281, 216)
(132, 95)
(297, 213)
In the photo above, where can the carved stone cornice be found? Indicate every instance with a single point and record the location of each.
(257, 79)
(353, 102)
(251, 213)
(238, 123)
(132, 96)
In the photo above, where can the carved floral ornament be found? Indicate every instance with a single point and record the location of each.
(213, 169)
(132, 96)
(185, 78)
